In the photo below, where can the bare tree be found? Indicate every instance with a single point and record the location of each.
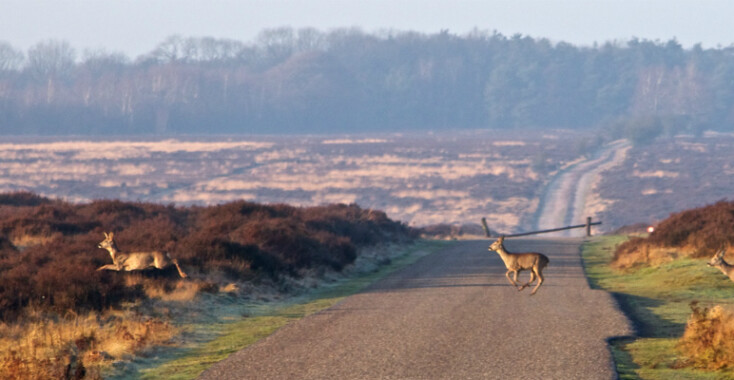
(51, 59)
(10, 58)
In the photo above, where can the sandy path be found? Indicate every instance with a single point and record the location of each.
(452, 315)
(567, 200)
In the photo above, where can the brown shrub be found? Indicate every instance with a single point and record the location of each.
(708, 341)
(697, 233)
(22, 198)
(55, 267)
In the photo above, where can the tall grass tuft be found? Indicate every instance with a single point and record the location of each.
(708, 341)
(75, 347)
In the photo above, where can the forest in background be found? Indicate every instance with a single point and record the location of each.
(348, 81)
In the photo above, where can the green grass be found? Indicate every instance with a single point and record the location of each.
(657, 300)
(234, 332)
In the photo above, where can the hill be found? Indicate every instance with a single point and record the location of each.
(698, 232)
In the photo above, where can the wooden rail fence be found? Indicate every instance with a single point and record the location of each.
(588, 225)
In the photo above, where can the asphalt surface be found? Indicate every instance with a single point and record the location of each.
(451, 315)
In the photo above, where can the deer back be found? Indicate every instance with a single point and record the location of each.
(529, 259)
(142, 260)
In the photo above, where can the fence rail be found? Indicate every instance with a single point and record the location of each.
(588, 225)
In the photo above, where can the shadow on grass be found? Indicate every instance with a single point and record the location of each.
(626, 367)
(646, 323)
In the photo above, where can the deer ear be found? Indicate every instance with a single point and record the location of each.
(111, 235)
(105, 235)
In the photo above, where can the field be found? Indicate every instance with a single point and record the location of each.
(417, 179)
(421, 179)
(670, 175)
(194, 196)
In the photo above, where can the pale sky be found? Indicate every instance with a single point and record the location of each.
(135, 27)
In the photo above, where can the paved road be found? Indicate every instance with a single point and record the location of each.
(451, 315)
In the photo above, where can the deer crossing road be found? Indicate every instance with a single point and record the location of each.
(451, 315)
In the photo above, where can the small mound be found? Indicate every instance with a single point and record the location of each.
(696, 233)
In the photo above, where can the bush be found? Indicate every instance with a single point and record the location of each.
(643, 130)
(695, 233)
(56, 268)
(708, 341)
(22, 198)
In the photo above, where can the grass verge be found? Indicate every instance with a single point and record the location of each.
(239, 325)
(657, 300)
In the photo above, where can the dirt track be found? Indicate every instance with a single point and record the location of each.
(452, 315)
(566, 199)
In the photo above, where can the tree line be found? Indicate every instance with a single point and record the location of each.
(348, 81)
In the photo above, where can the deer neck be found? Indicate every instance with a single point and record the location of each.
(504, 255)
(113, 252)
(726, 268)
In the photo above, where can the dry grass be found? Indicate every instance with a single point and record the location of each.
(708, 341)
(75, 347)
(642, 254)
(179, 291)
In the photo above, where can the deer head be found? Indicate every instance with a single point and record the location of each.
(108, 242)
(717, 259)
(497, 244)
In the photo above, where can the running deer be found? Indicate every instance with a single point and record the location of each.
(136, 260)
(517, 262)
(718, 262)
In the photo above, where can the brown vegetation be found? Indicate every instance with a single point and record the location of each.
(708, 341)
(49, 256)
(48, 249)
(671, 175)
(75, 347)
(695, 233)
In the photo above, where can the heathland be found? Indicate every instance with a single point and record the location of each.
(419, 179)
(63, 317)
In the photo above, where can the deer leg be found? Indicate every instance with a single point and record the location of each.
(180, 272)
(539, 272)
(109, 267)
(514, 283)
(532, 278)
(163, 262)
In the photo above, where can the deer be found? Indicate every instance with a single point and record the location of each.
(136, 260)
(518, 262)
(717, 261)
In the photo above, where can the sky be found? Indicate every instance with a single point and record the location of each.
(135, 27)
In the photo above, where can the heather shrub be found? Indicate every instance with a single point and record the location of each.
(49, 253)
(22, 198)
(708, 341)
(238, 261)
(59, 276)
(695, 233)
(6, 247)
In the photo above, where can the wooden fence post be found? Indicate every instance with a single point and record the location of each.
(588, 226)
(486, 228)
